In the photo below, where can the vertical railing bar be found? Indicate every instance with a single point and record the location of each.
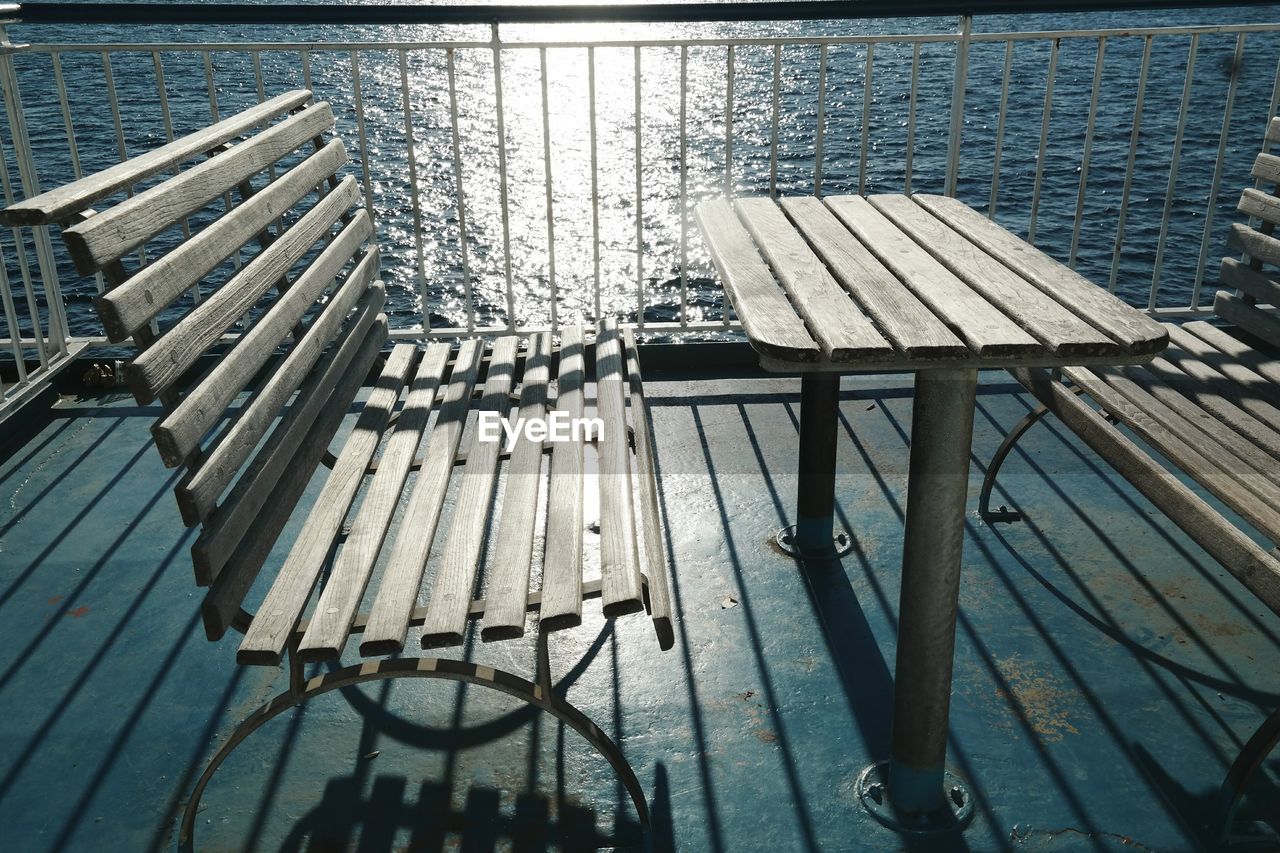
(547, 182)
(11, 321)
(305, 56)
(820, 131)
(60, 84)
(208, 84)
(114, 102)
(20, 250)
(257, 76)
(358, 102)
(595, 179)
(1232, 84)
(1275, 104)
(502, 176)
(866, 120)
(957, 104)
(773, 127)
(1050, 78)
(406, 107)
(684, 183)
(911, 116)
(1087, 154)
(1183, 109)
(1134, 135)
(640, 301)
(457, 183)
(728, 121)
(1000, 122)
(166, 116)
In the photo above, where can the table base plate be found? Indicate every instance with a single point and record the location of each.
(841, 544)
(873, 792)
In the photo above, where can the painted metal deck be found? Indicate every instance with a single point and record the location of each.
(1107, 672)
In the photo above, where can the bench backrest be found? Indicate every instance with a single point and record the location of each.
(1255, 284)
(261, 230)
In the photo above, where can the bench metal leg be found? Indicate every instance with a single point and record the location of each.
(1002, 452)
(813, 535)
(541, 695)
(1243, 769)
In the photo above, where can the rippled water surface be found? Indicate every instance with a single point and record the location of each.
(580, 265)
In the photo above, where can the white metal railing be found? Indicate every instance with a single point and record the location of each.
(531, 183)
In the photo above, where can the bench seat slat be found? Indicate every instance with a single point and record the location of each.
(453, 587)
(133, 304)
(839, 327)
(619, 560)
(330, 625)
(225, 526)
(1248, 399)
(1249, 383)
(507, 574)
(266, 638)
(1187, 457)
(1137, 333)
(110, 235)
(238, 575)
(562, 560)
(882, 254)
(652, 547)
(58, 205)
(179, 432)
(1259, 362)
(1211, 400)
(398, 590)
(1043, 317)
(764, 310)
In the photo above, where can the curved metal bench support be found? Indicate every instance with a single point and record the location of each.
(1002, 452)
(541, 695)
(1243, 769)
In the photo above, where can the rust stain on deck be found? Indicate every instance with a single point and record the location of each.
(1040, 696)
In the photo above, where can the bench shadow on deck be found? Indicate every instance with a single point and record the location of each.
(1107, 671)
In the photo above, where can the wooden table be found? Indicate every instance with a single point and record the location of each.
(923, 283)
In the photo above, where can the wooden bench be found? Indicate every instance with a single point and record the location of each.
(1210, 405)
(293, 258)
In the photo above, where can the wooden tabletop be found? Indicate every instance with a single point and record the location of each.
(848, 283)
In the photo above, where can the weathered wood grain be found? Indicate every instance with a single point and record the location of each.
(1254, 320)
(401, 580)
(1262, 205)
(274, 622)
(768, 318)
(58, 205)
(330, 623)
(562, 560)
(1254, 359)
(619, 560)
(1266, 167)
(1259, 285)
(507, 573)
(114, 232)
(839, 327)
(1259, 246)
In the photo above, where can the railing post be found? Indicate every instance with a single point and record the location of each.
(57, 329)
(957, 104)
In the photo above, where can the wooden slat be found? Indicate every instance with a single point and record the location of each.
(273, 624)
(1273, 130)
(1055, 327)
(653, 549)
(128, 307)
(454, 586)
(1134, 331)
(507, 574)
(1188, 458)
(59, 204)
(619, 560)
(398, 589)
(1262, 205)
(179, 432)
(113, 233)
(1235, 550)
(1201, 433)
(226, 526)
(1266, 168)
(1255, 244)
(1259, 285)
(238, 575)
(1249, 383)
(1255, 360)
(1257, 322)
(1208, 397)
(330, 623)
(768, 318)
(562, 561)
(839, 327)
(920, 304)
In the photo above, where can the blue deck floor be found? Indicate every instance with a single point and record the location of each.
(1107, 670)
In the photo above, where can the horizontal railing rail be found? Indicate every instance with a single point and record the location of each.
(528, 180)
